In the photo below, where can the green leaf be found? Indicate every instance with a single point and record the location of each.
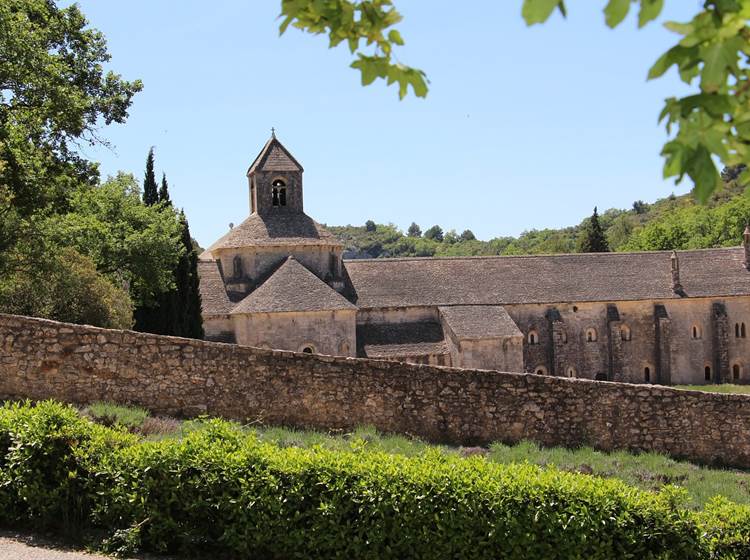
(662, 64)
(718, 58)
(650, 10)
(395, 37)
(675, 154)
(701, 169)
(714, 104)
(538, 11)
(616, 11)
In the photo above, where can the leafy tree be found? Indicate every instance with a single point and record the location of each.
(150, 190)
(164, 190)
(53, 95)
(451, 237)
(467, 235)
(414, 230)
(129, 241)
(592, 238)
(713, 121)
(68, 288)
(435, 233)
(640, 207)
(370, 226)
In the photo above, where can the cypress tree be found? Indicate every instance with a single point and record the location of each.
(592, 239)
(147, 317)
(189, 297)
(164, 190)
(150, 193)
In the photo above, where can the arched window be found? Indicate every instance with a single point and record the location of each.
(647, 374)
(540, 370)
(736, 371)
(736, 330)
(707, 373)
(278, 192)
(571, 372)
(590, 335)
(743, 332)
(308, 349)
(625, 332)
(344, 348)
(533, 337)
(565, 337)
(696, 332)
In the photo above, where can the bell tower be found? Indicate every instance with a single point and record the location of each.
(275, 181)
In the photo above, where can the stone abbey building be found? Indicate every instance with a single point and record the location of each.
(278, 280)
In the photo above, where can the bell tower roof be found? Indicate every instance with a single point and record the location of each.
(274, 157)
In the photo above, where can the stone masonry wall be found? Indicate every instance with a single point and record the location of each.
(45, 359)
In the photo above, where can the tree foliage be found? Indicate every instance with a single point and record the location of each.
(164, 190)
(356, 22)
(67, 287)
(150, 189)
(712, 54)
(592, 239)
(435, 233)
(53, 95)
(414, 230)
(128, 241)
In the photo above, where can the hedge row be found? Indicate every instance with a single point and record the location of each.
(224, 491)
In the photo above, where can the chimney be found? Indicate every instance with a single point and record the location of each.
(746, 246)
(676, 286)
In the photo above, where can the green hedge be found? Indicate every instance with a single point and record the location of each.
(224, 491)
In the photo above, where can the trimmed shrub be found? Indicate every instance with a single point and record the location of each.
(47, 455)
(726, 529)
(224, 491)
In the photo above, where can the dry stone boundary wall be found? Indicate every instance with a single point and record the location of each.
(42, 359)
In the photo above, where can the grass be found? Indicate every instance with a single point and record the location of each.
(648, 471)
(723, 388)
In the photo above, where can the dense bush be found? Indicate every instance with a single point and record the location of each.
(726, 529)
(224, 490)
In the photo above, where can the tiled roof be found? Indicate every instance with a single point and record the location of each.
(274, 157)
(292, 288)
(545, 278)
(400, 339)
(479, 321)
(213, 295)
(281, 229)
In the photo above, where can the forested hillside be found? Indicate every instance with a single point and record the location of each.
(675, 222)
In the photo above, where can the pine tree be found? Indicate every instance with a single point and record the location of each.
(414, 230)
(150, 193)
(592, 239)
(164, 190)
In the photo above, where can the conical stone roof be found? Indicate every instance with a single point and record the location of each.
(292, 288)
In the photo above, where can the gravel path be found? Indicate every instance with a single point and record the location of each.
(15, 546)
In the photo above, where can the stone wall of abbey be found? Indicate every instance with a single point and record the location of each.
(42, 359)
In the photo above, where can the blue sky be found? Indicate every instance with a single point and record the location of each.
(524, 128)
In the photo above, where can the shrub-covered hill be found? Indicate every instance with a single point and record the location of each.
(675, 222)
